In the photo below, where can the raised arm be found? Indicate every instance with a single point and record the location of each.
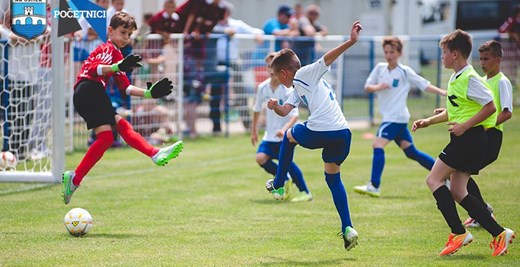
(333, 54)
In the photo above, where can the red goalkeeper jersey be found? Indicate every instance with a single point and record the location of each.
(104, 54)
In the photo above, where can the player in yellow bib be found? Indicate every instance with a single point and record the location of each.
(469, 110)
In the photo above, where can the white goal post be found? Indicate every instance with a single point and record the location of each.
(33, 106)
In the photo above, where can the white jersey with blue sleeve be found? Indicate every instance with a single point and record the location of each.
(273, 121)
(392, 101)
(318, 95)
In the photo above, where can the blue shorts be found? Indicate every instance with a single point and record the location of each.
(395, 131)
(271, 149)
(335, 144)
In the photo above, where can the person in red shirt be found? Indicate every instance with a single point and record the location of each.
(165, 21)
(93, 104)
(197, 18)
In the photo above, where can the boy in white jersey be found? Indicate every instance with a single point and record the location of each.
(276, 126)
(392, 81)
(469, 110)
(325, 128)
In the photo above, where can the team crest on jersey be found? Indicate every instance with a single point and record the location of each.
(28, 18)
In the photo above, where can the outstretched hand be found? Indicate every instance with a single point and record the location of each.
(128, 63)
(159, 89)
(354, 32)
(418, 124)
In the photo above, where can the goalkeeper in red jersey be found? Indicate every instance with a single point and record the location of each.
(93, 104)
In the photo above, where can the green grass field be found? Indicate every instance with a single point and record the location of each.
(209, 207)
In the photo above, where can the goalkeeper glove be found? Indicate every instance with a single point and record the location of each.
(158, 89)
(128, 63)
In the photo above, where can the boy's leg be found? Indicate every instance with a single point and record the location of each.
(476, 209)
(285, 159)
(378, 164)
(458, 237)
(422, 158)
(72, 179)
(297, 177)
(405, 142)
(134, 139)
(339, 196)
(270, 167)
(104, 140)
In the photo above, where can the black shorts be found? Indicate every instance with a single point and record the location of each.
(493, 148)
(93, 104)
(464, 153)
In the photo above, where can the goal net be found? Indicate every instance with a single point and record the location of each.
(32, 104)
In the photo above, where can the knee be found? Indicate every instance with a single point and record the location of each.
(261, 158)
(289, 137)
(433, 183)
(410, 152)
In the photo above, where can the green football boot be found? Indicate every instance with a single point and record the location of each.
(165, 154)
(68, 186)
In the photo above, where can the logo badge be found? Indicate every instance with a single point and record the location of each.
(28, 18)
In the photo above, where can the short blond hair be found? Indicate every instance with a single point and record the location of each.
(394, 42)
(286, 59)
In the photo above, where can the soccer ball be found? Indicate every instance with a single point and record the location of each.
(78, 222)
(7, 160)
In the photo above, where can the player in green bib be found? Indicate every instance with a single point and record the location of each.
(490, 60)
(469, 111)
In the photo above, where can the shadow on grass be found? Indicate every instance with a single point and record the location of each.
(113, 235)
(270, 201)
(288, 262)
(28, 187)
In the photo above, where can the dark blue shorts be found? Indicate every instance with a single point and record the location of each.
(335, 144)
(271, 149)
(395, 131)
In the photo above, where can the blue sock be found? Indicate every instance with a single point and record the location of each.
(339, 195)
(378, 163)
(424, 159)
(270, 167)
(285, 159)
(297, 177)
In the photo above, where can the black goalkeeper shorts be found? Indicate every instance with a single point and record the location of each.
(93, 104)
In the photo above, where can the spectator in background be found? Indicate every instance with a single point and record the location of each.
(230, 58)
(196, 19)
(512, 47)
(117, 5)
(165, 21)
(309, 23)
(279, 26)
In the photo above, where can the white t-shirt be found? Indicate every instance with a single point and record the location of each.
(240, 27)
(477, 91)
(392, 101)
(505, 90)
(318, 95)
(273, 121)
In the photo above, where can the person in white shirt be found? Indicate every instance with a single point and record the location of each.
(275, 128)
(228, 60)
(392, 82)
(325, 128)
